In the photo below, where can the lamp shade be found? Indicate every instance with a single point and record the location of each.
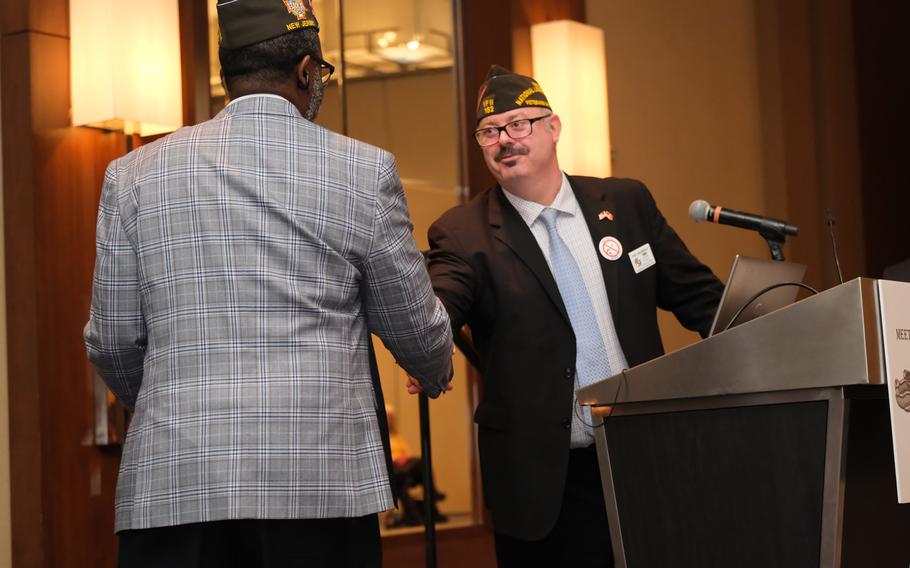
(125, 65)
(570, 65)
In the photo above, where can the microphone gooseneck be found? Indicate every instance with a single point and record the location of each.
(840, 275)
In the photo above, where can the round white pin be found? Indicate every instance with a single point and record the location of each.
(610, 248)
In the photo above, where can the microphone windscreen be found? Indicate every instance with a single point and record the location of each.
(699, 210)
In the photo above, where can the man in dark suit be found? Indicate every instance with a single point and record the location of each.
(558, 278)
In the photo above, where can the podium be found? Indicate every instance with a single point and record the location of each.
(767, 445)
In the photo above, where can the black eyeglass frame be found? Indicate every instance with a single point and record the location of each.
(323, 64)
(530, 121)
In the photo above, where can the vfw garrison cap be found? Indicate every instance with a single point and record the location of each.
(245, 22)
(504, 90)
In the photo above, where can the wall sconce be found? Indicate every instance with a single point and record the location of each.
(417, 48)
(570, 65)
(125, 65)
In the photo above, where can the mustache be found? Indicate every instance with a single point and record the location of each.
(507, 151)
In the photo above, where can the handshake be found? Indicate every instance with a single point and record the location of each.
(466, 347)
(414, 385)
(415, 388)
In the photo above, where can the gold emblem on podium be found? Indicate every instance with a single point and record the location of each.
(902, 391)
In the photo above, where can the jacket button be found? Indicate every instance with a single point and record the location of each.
(567, 423)
(570, 373)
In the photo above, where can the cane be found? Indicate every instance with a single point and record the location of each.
(429, 499)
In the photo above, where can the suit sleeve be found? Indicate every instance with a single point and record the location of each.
(400, 305)
(115, 335)
(685, 285)
(454, 278)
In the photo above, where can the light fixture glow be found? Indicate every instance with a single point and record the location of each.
(125, 64)
(570, 65)
(386, 39)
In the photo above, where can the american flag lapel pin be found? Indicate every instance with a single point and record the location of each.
(605, 214)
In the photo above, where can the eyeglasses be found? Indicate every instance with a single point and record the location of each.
(325, 69)
(516, 129)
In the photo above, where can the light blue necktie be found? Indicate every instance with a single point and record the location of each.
(591, 360)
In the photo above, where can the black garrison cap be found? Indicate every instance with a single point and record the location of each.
(504, 90)
(245, 22)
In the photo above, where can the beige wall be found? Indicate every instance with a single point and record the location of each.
(5, 538)
(686, 117)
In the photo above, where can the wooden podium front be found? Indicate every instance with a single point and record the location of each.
(766, 445)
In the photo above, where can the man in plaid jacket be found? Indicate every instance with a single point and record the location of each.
(241, 266)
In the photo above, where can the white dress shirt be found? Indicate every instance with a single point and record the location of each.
(574, 231)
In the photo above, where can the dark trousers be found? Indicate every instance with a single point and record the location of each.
(581, 536)
(310, 543)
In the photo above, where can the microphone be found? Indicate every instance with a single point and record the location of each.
(840, 274)
(700, 211)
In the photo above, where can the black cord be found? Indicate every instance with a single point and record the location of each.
(622, 385)
(581, 418)
(762, 292)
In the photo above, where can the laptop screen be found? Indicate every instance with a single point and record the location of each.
(749, 276)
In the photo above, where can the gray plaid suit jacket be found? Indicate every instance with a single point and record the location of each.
(241, 265)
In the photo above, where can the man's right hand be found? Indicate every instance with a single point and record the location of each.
(415, 388)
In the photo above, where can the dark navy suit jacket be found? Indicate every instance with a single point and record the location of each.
(490, 273)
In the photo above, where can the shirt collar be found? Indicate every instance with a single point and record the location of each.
(245, 97)
(564, 202)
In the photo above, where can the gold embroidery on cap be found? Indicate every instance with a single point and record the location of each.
(534, 88)
(296, 7)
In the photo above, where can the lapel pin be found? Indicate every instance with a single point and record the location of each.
(610, 248)
(605, 214)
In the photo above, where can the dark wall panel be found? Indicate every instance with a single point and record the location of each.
(883, 94)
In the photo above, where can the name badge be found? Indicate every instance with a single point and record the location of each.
(642, 258)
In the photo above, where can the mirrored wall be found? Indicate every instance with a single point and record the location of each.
(395, 87)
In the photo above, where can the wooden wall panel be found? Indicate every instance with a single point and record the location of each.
(837, 149)
(13, 16)
(883, 92)
(24, 389)
(194, 58)
(79, 476)
(62, 485)
(485, 40)
(50, 16)
(799, 133)
(813, 84)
